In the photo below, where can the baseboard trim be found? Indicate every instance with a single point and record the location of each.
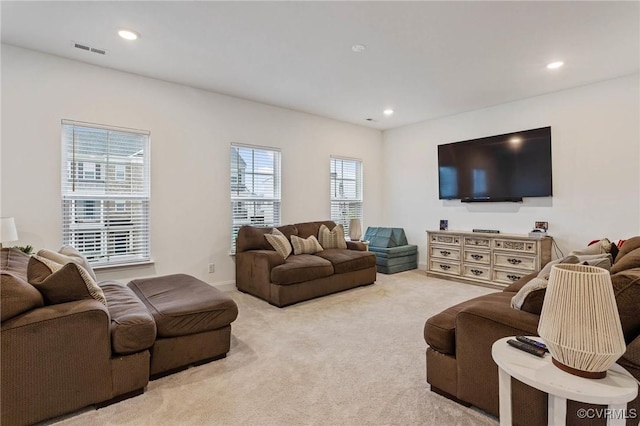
(225, 285)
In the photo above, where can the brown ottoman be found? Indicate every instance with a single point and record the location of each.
(193, 320)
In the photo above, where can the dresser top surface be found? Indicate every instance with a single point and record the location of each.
(487, 234)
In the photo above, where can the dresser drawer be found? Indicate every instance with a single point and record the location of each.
(444, 252)
(515, 245)
(445, 239)
(444, 267)
(509, 260)
(477, 256)
(479, 242)
(507, 277)
(477, 272)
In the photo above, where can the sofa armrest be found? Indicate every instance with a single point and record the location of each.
(478, 326)
(356, 245)
(253, 271)
(55, 359)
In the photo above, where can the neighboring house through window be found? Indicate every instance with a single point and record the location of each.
(255, 187)
(346, 191)
(106, 192)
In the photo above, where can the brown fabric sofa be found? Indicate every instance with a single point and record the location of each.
(60, 357)
(263, 273)
(459, 362)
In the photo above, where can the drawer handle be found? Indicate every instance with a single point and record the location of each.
(477, 256)
(513, 277)
(445, 252)
(445, 267)
(514, 261)
(476, 272)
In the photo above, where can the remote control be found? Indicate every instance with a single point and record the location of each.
(527, 348)
(532, 342)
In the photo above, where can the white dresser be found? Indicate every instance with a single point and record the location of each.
(487, 258)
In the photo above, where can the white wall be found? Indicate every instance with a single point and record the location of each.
(191, 131)
(596, 167)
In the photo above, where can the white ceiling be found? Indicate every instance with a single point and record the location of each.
(423, 59)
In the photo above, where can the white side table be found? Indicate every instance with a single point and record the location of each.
(615, 390)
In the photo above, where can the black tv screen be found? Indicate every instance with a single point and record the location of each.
(497, 168)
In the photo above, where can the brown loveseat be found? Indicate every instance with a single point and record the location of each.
(58, 357)
(262, 272)
(459, 362)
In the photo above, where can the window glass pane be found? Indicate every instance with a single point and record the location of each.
(346, 190)
(255, 188)
(106, 193)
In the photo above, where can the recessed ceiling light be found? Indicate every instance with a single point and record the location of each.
(358, 48)
(555, 65)
(388, 112)
(128, 34)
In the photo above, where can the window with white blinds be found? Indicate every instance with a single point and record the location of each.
(106, 192)
(346, 191)
(255, 188)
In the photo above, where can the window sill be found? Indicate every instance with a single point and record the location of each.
(122, 265)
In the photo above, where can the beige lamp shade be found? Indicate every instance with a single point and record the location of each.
(579, 321)
(8, 231)
(355, 229)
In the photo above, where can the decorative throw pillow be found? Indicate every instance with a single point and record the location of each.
(628, 246)
(332, 239)
(279, 242)
(629, 261)
(17, 296)
(62, 283)
(305, 245)
(531, 296)
(600, 262)
(68, 254)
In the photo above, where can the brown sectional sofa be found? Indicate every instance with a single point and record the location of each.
(263, 273)
(459, 362)
(58, 358)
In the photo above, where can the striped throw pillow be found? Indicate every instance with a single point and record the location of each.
(332, 239)
(279, 242)
(305, 245)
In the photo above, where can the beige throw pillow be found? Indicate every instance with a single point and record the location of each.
(279, 242)
(62, 283)
(305, 245)
(68, 254)
(332, 239)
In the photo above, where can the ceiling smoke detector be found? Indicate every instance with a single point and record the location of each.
(358, 48)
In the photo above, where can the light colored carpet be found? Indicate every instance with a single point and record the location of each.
(352, 358)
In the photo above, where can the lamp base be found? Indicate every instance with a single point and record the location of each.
(580, 373)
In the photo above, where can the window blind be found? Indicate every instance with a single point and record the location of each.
(106, 193)
(255, 188)
(346, 191)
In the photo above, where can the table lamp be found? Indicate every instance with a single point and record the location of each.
(355, 229)
(579, 321)
(8, 231)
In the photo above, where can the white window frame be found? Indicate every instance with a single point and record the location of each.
(99, 236)
(242, 201)
(343, 207)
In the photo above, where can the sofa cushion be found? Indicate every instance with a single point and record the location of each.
(307, 245)
(440, 329)
(132, 326)
(181, 304)
(68, 254)
(62, 283)
(626, 287)
(332, 238)
(252, 237)
(14, 261)
(306, 229)
(17, 296)
(630, 260)
(344, 260)
(279, 242)
(300, 268)
(628, 246)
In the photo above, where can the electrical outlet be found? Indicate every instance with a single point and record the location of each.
(212, 268)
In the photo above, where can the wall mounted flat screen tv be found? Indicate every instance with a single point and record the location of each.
(497, 168)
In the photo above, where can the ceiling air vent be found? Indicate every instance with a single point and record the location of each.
(89, 48)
